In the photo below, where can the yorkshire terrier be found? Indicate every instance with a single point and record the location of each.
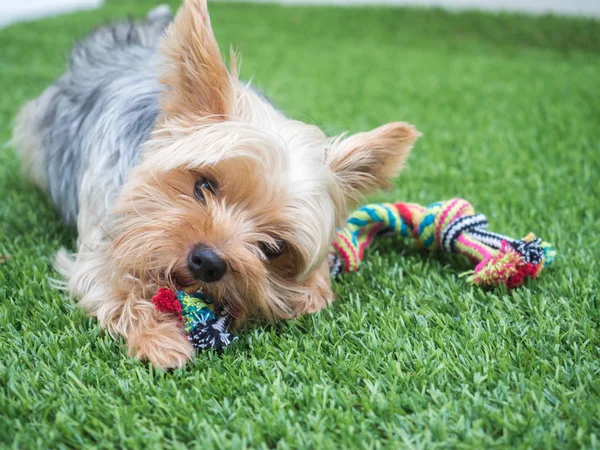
(177, 174)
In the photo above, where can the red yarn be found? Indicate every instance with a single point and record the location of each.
(526, 270)
(165, 300)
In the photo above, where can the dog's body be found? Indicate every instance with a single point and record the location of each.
(88, 127)
(177, 174)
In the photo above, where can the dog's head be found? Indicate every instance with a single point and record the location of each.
(230, 196)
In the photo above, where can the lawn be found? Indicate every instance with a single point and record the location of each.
(410, 355)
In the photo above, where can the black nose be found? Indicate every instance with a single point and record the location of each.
(205, 264)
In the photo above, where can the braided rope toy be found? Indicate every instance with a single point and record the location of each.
(451, 226)
(203, 327)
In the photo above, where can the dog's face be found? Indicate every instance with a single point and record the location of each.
(233, 198)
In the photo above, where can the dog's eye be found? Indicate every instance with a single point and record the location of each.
(272, 251)
(204, 185)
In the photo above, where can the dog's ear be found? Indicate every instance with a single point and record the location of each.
(196, 79)
(367, 161)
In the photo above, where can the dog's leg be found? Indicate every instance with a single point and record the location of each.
(320, 295)
(149, 334)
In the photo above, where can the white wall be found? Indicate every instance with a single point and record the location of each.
(563, 7)
(18, 10)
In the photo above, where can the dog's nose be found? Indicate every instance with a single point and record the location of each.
(205, 264)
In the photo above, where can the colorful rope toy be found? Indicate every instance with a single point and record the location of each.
(451, 226)
(200, 323)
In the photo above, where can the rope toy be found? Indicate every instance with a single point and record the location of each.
(203, 327)
(451, 226)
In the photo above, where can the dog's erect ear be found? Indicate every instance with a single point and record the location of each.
(196, 78)
(367, 161)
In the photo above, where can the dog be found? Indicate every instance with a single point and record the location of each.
(178, 174)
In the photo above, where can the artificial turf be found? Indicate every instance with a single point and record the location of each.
(410, 355)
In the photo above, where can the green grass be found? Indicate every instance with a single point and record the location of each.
(410, 355)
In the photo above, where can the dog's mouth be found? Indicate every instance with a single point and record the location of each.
(181, 280)
(190, 286)
(185, 282)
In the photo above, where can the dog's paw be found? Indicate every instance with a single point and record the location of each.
(317, 300)
(164, 345)
(320, 295)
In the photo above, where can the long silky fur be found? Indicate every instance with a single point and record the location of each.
(143, 110)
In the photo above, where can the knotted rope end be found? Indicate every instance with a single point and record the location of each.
(513, 263)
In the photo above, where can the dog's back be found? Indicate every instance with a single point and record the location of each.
(83, 134)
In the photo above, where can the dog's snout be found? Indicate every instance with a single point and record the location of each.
(205, 264)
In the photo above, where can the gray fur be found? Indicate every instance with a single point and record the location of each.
(95, 117)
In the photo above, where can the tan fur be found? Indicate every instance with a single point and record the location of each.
(320, 295)
(123, 308)
(195, 73)
(278, 180)
(366, 161)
